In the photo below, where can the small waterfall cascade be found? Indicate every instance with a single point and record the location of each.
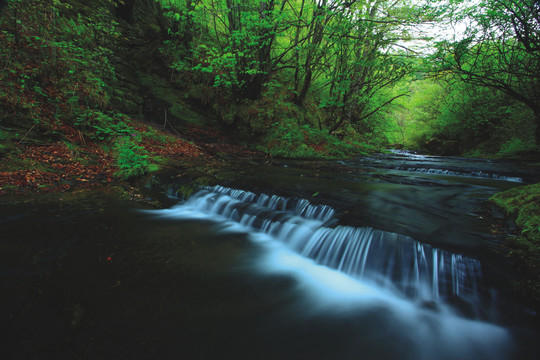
(472, 173)
(391, 260)
(259, 204)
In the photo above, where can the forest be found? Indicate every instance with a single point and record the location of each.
(451, 78)
(92, 92)
(170, 169)
(331, 78)
(291, 78)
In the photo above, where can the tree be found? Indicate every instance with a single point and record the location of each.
(500, 50)
(340, 57)
(367, 65)
(252, 28)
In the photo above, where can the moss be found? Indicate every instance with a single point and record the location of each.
(185, 191)
(174, 99)
(523, 204)
(184, 113)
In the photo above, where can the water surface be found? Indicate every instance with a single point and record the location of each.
(88, 275)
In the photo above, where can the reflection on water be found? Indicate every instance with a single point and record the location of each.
(391, 260)
(325, 291)
(320, 289)
(86, 275)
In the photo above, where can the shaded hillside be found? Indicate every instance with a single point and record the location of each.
(77, 80)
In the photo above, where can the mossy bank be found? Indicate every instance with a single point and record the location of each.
(523, 204)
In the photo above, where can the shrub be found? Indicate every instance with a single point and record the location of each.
(102, 125)
(515, 146)
(288, 139)
(131, 159)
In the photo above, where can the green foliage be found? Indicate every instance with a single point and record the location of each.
(319, 58)
(500, 52)
(331, 76)
(288, 139)
(102, 125)
(523, 203)
(132, 159)
(486, 119)
(55, 62)
(152, 134)
(515, 146)
(481, 121)
(56, 74)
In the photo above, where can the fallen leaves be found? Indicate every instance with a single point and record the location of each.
(176, 148)
(213, 141)
(172, 147)
(79, 162)
(57, 168)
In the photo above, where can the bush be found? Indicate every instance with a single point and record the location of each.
(288, 139)
(131, 159)
(514, 146)
(103, 126)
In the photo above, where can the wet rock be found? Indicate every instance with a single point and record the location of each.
(438, 146)
(450, 147)
(434, 145)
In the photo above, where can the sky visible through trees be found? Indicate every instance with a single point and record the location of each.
(350, 68)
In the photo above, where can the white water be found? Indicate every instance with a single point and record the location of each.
(480, 174)
(357, 270)
(386, 259)
(433, 334)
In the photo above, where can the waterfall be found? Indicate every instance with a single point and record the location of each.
(296, 206)
(472, 173)
(394, 261)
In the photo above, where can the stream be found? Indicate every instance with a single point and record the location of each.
(383, 257)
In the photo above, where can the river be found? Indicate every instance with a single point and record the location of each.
(382, 257)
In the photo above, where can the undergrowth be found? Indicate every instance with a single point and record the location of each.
(131, 158)
(523, 204)
(57, 81)
(515, 146)
(288, 139)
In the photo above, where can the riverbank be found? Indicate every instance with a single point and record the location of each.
(72, 110)
(88, 275)
(523, 205)
(77, 162)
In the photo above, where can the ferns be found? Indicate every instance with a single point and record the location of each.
(131, 159)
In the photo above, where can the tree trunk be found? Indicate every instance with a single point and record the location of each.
(537, 132)
(536, 111)
(299, 99)
(316, 30)
(252, 90)
(345, 114)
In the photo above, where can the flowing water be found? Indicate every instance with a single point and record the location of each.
(387, 257)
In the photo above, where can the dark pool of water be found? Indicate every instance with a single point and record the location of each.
(90, 276)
